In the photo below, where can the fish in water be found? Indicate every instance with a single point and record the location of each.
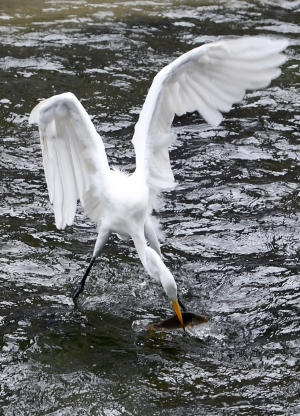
(190, 319)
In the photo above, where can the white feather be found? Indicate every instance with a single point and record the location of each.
(73, 153)
(209, 79)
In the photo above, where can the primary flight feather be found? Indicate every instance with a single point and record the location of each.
(209, 79)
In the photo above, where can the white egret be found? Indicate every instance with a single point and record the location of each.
(209, 79)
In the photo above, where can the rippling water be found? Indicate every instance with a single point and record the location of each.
(232, 225)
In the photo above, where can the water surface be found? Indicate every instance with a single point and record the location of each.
(232, 225)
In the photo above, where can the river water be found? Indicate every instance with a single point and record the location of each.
(232, 226)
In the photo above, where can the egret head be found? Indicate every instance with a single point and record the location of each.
(157, 269)
(170, 287)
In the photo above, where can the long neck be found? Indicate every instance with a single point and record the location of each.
(156, 268)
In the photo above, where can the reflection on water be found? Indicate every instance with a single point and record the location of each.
(231, 226)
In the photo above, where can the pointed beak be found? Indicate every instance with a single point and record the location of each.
(178, 311)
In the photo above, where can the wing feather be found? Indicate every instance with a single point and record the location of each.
(74, 158)
(209, 79)
(178, 107)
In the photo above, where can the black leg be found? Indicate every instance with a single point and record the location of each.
(81, 284)
(181, 305)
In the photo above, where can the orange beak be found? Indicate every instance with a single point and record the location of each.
(178, 311)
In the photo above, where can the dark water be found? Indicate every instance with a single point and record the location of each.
(232, 226)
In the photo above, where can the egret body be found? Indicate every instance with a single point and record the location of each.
(209, 79)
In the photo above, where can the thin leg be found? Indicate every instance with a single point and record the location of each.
(102, 238)
(81, 284)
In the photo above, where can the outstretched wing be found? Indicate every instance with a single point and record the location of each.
(209, 79)
(74, 157)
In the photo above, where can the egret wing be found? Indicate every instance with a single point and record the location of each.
(209, 79)
(74, 158)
